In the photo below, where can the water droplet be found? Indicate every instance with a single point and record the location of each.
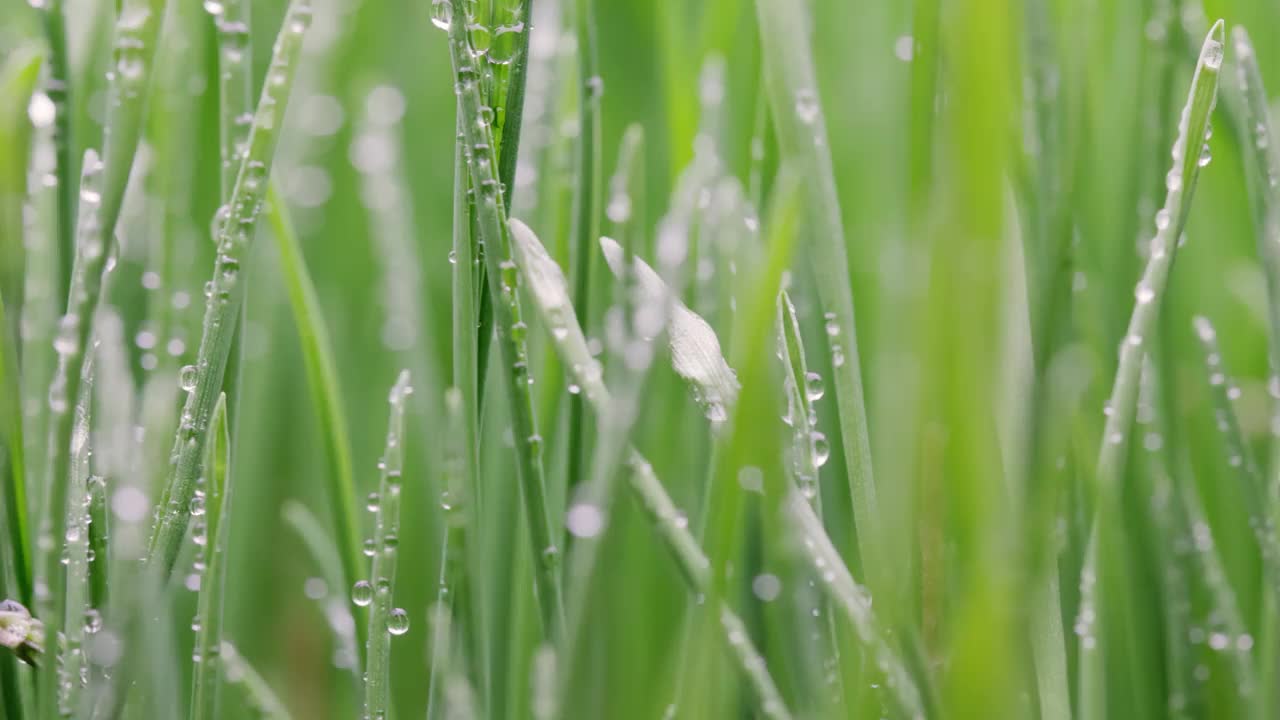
(832, 327)
(362, 593)
(813, 388)
(821, 449)
(187, 378)
(373, 502)
(369, 547)
(213, 7)
(442, 14)
(1206, 156)
(1144, 293)
(481, 39)
(398, 621)
(197, 504)
(1162, 219)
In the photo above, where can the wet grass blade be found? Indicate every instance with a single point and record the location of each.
(58, 90)
(379, 592)
(549, 291)
(73, 335)
(501, 271)
(801, 130)
(318, 359)
(1100, 587)
(586, 209)
(226, 292)
(215, 504)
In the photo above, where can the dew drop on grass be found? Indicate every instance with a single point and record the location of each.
(213, 7)
(766, 586)
(373, 502)
(584, 520)
(1162, 219)
(362, 593)
(1144, 293)
(832, 327)
(442, 14)
(398, 621)
(369, 547)
(481, 39)
(807, 107)
(813, 387)
(187, 378)
(197, 504)
(821, 448)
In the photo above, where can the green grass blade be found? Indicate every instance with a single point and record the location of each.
(384, 620)
(1170, 220)
(324, 554)
(58, 90)
(13, 469)
(226, 291)
(215, 505)
(73, 335)
(326, 392)
(77, 547)
(586, 208)
(492, 226)
(801, 128)
(549, 291)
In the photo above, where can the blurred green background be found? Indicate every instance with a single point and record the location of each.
(366, 163)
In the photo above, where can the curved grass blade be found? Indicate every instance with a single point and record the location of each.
(1097, 592)
(216, 506)
(493, 233)
(797, 117)
(326, 391)
(226, 292)
(384, 621)
(549, 290)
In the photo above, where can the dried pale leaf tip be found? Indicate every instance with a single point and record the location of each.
(695, 349)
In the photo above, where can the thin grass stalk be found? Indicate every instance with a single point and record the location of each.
(319, 361)
(1107, 530)
(797, 116)
(586, 208)
(65, 388)
(549, 291)
(384, 621)
(492, 226)
(235, 115)
(226, 292)
(802, 387)
(71, 669)
(216, 507)
(58, 90)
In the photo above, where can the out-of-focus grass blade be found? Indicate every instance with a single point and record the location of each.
(379, 593)
(58, 90)
(77, 547)
(13, 469)
(549, 290)
(258, 693)
(215, 506)
(337, 599)
(1105, 586)
(203, 380)
(501, 272)
(1239, 456)
(797, 115)
(326, 392)
(18, 77)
